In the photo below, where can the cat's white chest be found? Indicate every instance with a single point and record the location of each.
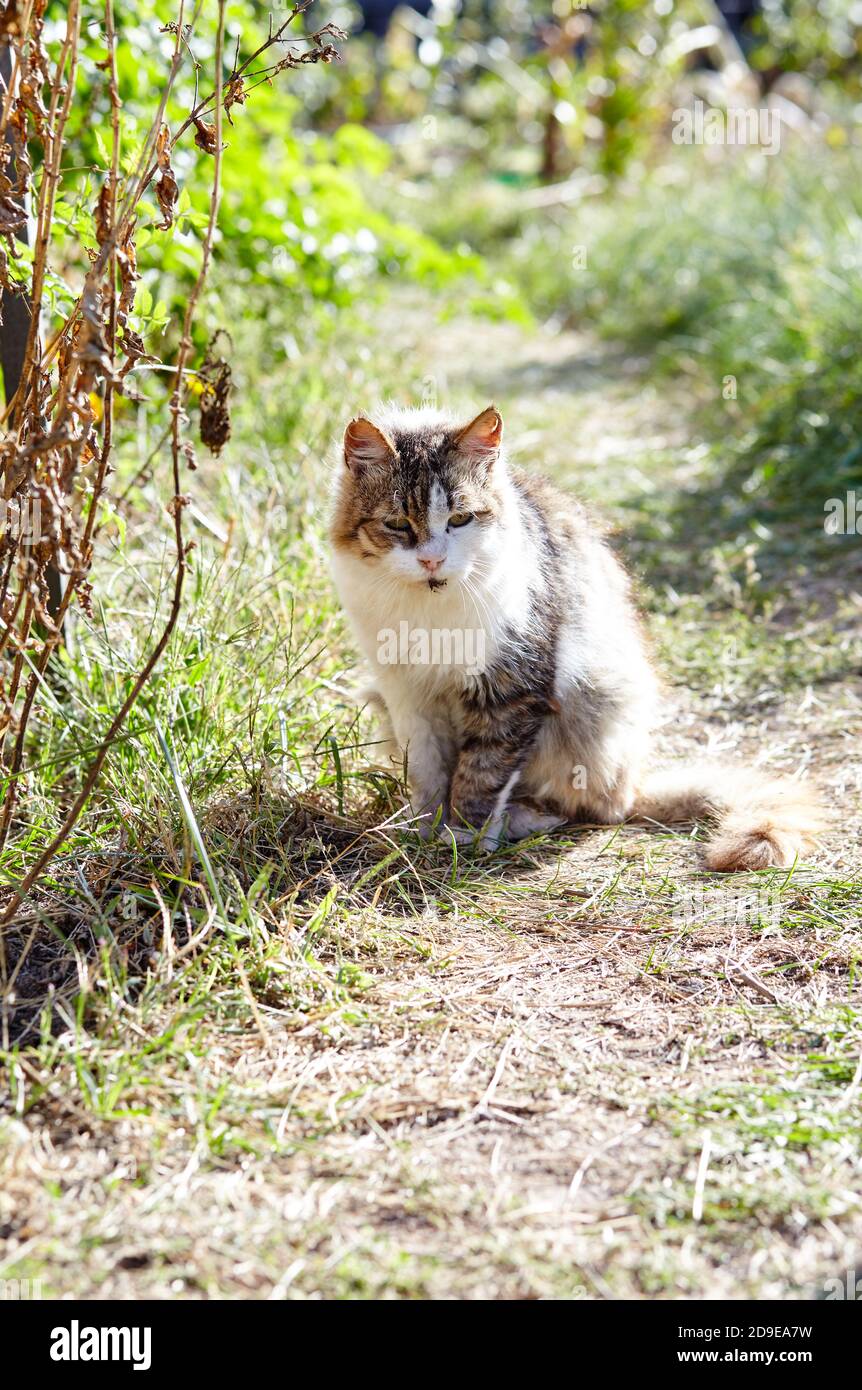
(422, 637)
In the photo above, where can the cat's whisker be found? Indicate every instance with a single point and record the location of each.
(481, 608)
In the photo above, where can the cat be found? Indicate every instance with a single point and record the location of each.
(549, 717)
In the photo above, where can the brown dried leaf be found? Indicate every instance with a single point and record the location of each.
(177, 504)
(103, 213)
(30, 98)
(235, 95)
(205, 136)
(127, 259)
(167, 191)
(163, 148)
(215, 423)
(84, 595)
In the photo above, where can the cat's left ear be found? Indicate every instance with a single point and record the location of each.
(481, 439)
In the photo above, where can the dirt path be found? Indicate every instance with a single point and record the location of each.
(571, 1073)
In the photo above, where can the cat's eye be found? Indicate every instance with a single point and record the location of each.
(460, 518)
(398, 523)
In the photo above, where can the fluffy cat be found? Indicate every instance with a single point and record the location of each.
(545, 714)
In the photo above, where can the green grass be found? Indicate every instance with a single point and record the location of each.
(741, 279)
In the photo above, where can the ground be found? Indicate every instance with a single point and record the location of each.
(579, 1069)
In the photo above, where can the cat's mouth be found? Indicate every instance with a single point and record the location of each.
(437, 583)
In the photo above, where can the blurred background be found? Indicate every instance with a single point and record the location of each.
(528, 161)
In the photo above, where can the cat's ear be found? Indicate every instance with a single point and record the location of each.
(365, 446)
(481, 439)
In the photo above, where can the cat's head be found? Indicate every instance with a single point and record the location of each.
(418, 498)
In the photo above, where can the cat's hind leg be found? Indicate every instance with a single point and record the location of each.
(588, 774)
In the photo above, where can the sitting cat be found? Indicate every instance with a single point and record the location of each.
(549, 718)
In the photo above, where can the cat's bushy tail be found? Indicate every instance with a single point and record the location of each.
(758, 821)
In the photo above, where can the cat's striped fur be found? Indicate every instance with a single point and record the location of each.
(557, 723)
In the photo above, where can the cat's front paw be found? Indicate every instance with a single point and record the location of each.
(428, 820)
(427, 827)
(461, 834)
(464, 835)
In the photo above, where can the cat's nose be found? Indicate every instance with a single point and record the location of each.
(431, 565)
